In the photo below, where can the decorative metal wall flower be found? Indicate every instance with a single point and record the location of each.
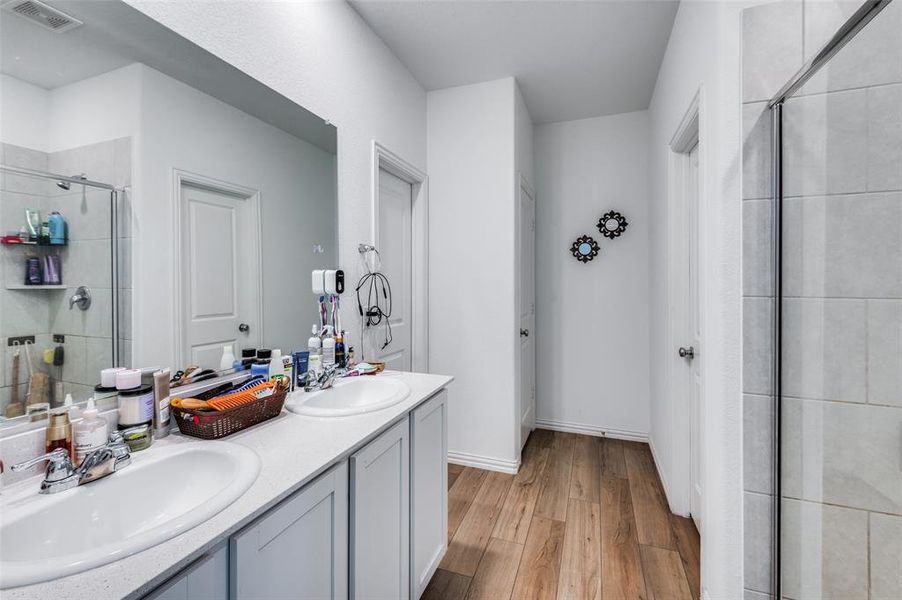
(584, 249)
(612, 224)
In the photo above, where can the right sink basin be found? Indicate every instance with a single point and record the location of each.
(351, 396)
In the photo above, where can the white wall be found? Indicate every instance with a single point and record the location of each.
(523, 142)
(23, 114)
(96, 109)
(703, 54)
(592, 319)
(472, 315)
(184, 129)
(323, 56)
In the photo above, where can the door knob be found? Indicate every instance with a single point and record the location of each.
(244, 328)
(524, 333)
(687, 352)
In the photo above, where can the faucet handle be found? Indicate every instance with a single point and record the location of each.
(59, 467)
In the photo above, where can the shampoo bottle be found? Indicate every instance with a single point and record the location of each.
(91, 433)
(340, 358)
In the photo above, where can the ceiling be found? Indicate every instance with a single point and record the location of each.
(572, 59)
(115, 34)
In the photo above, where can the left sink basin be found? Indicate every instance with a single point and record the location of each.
(164, 492)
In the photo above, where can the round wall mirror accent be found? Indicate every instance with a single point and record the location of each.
(584, 249)
(612, 224)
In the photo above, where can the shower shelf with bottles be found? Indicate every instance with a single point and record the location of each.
(8, 244)
(23, 286)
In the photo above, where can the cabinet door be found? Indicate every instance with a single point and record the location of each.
(207, 578)
(380, 517)
(428, 490)
(300, 549)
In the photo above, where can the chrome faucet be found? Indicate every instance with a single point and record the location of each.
(62, 475)
(323, 381)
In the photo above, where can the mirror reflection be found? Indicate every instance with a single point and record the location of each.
(156, 205)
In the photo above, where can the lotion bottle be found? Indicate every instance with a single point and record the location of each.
(91, 433)
(328, 351)
(276, 366)
(228, 358)
(74, 411)
(161, 398)
(314, 344)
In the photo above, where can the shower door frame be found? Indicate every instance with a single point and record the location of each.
(114, 237)
(853, 25)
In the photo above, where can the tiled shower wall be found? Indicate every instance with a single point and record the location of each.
(86, 261)
(842, 366)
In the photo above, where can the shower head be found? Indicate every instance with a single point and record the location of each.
(65, 185)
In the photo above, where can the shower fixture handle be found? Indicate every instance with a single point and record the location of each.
(687, 352)
(81, 298)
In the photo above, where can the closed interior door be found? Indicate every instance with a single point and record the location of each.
(219, 296)
(527, 308)
(395, 233)
(694, 362)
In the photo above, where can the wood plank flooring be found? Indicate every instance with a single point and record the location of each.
(585, 518)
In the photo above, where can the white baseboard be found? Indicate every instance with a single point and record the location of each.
(618, 434)
(484, 462)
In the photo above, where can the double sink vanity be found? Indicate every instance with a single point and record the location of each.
(351, 502)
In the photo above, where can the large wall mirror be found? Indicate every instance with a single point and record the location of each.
(193, 203)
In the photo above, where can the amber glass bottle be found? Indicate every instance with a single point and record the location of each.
(59, 432)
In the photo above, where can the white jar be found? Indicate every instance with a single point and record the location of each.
(136, 406)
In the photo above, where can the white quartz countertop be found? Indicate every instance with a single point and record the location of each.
(293, 450)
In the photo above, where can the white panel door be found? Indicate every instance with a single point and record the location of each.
(428, 490)
(300, 548)
(219, 294)
(396, 251)
(380, 517)
(526, 257)
(695, 385)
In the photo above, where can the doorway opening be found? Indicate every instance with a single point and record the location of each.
(400, 232)
(526, 302)
(217, 296)
(685, 280)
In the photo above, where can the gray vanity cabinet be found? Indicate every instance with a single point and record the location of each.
(373, 526)
(380, 517)
(428, 490)
(207, 578)
(300, 549)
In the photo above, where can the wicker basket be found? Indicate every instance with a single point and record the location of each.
(210, 425)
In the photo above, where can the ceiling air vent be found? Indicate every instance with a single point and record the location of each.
(42, 14)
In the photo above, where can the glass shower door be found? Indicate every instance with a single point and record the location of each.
(841, 324)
